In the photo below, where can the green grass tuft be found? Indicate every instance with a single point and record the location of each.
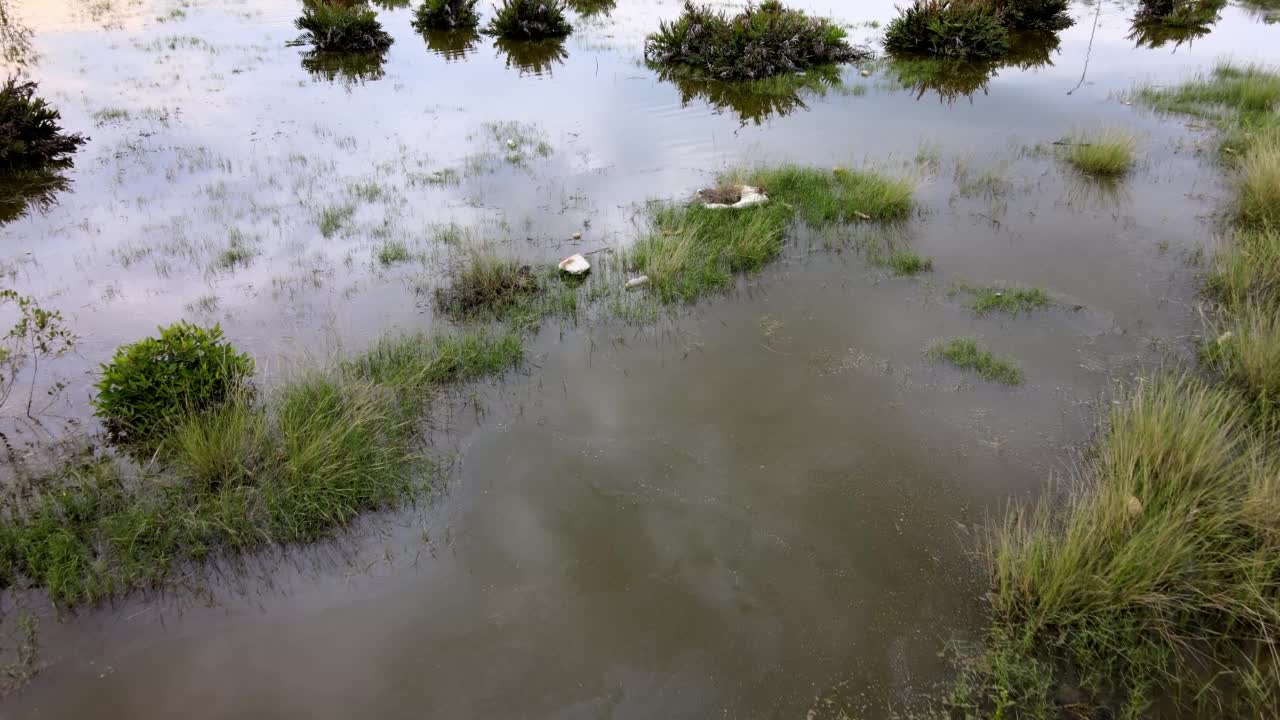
(962, 29)
(393, 252)
(334, 218)
(446, 15)
(691, 250)
(762, 41)
(1108, 154)
(968, 354)
(907, 262)
(1005, 298)
(340, 26)
(530, 20)
(293, 466)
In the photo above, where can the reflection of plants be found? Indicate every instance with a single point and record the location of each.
(341, 27)
(30, 137)
(452, 45)
(536, 57)
(15, 38)
(754, 101)
(188, 369)
(19, 192)
(1158, 22)
(952, 79)
(446, 15)
(529, 20)
(38, 334)
(348, 67)
(761, 41)
(587, 8)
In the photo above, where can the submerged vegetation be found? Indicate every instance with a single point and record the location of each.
(292, 465)
(1154, 580)
(691, 250)
(1004, 298)
(336, 26)
(446, 15)
(530, 20)
(967, 353)
(761, 41)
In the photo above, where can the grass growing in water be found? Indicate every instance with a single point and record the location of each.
(909, 263)
(293, 467)
(1108, 154)
(761, 41)
(334, 218)
(968, 354)
(1154, 588)
(446, 15)
(393, 252)
(1005, 298)
(692, 250)
(529, 20)
(948, 28)
(487, 287)
(336, 26)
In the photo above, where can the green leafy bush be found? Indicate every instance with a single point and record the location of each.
(30, 137)
(759, 42)
(968, 29)
(530, 20)
(1036, 15)
(151, 382)
(446, 15)
(336, 27)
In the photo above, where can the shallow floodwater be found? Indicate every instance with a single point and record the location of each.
(764, 505)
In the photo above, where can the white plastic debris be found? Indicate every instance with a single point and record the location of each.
(511, 143)
(866, 73)
(575, 265)
(748, 197)
(636, 282)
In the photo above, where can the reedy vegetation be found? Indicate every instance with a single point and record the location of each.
(530, 20)
(446, 15)
(970, 29)
(334, 26)
(761, 41)
(292, 466)
(1158, 578)
(1104, 154)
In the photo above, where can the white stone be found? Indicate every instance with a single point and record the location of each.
(575, 265)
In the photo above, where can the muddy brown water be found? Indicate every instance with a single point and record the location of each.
(762, 506)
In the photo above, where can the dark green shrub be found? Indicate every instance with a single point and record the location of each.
(446, 15)
(30, 137)
(341, 27)
(150, 383)
(530, 20)
(1036, 15)
(760, 42)
(970, 29)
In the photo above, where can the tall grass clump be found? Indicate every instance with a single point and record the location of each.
(691, 250)
(1105, 154)
(969, 354)
(1258, 194)
(31, 138)
(962, 29)
(446, 15)
(291, 465)
(335, 26)
(763, 40)
(530, 20)
(1158, 574)
(1247, 271)
(487, 285)
(1036, 15)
